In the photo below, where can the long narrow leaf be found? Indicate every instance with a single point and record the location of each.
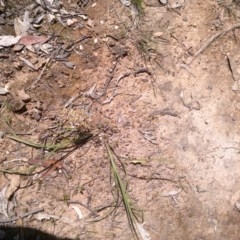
(125, 196)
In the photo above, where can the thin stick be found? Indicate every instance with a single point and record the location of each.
(40, 75)
(211, 40)
(22, 215)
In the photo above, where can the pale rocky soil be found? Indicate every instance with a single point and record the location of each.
(181, 121)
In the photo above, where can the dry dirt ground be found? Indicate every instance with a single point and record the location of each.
(169, 111)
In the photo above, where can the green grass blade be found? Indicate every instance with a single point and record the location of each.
(125, 196)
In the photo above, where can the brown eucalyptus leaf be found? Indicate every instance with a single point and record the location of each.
(28, 63)
(31, 39)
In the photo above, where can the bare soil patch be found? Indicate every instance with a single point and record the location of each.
(157, 88)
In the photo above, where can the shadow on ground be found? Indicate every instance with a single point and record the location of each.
(12, 233)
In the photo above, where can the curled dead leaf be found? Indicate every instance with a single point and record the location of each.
(78, 211)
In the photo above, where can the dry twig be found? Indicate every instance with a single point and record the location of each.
(211, 40)
(22, 216)
(40, 75)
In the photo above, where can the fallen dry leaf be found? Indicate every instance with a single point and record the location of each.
(3, 91)
(21, 27)
(8, 40)
(31, 39)
(71, 21)
(18, 48)
(78, 211)
(157, 34)
(50, 164)
(28, 63)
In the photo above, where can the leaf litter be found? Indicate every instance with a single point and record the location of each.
(28, 38)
